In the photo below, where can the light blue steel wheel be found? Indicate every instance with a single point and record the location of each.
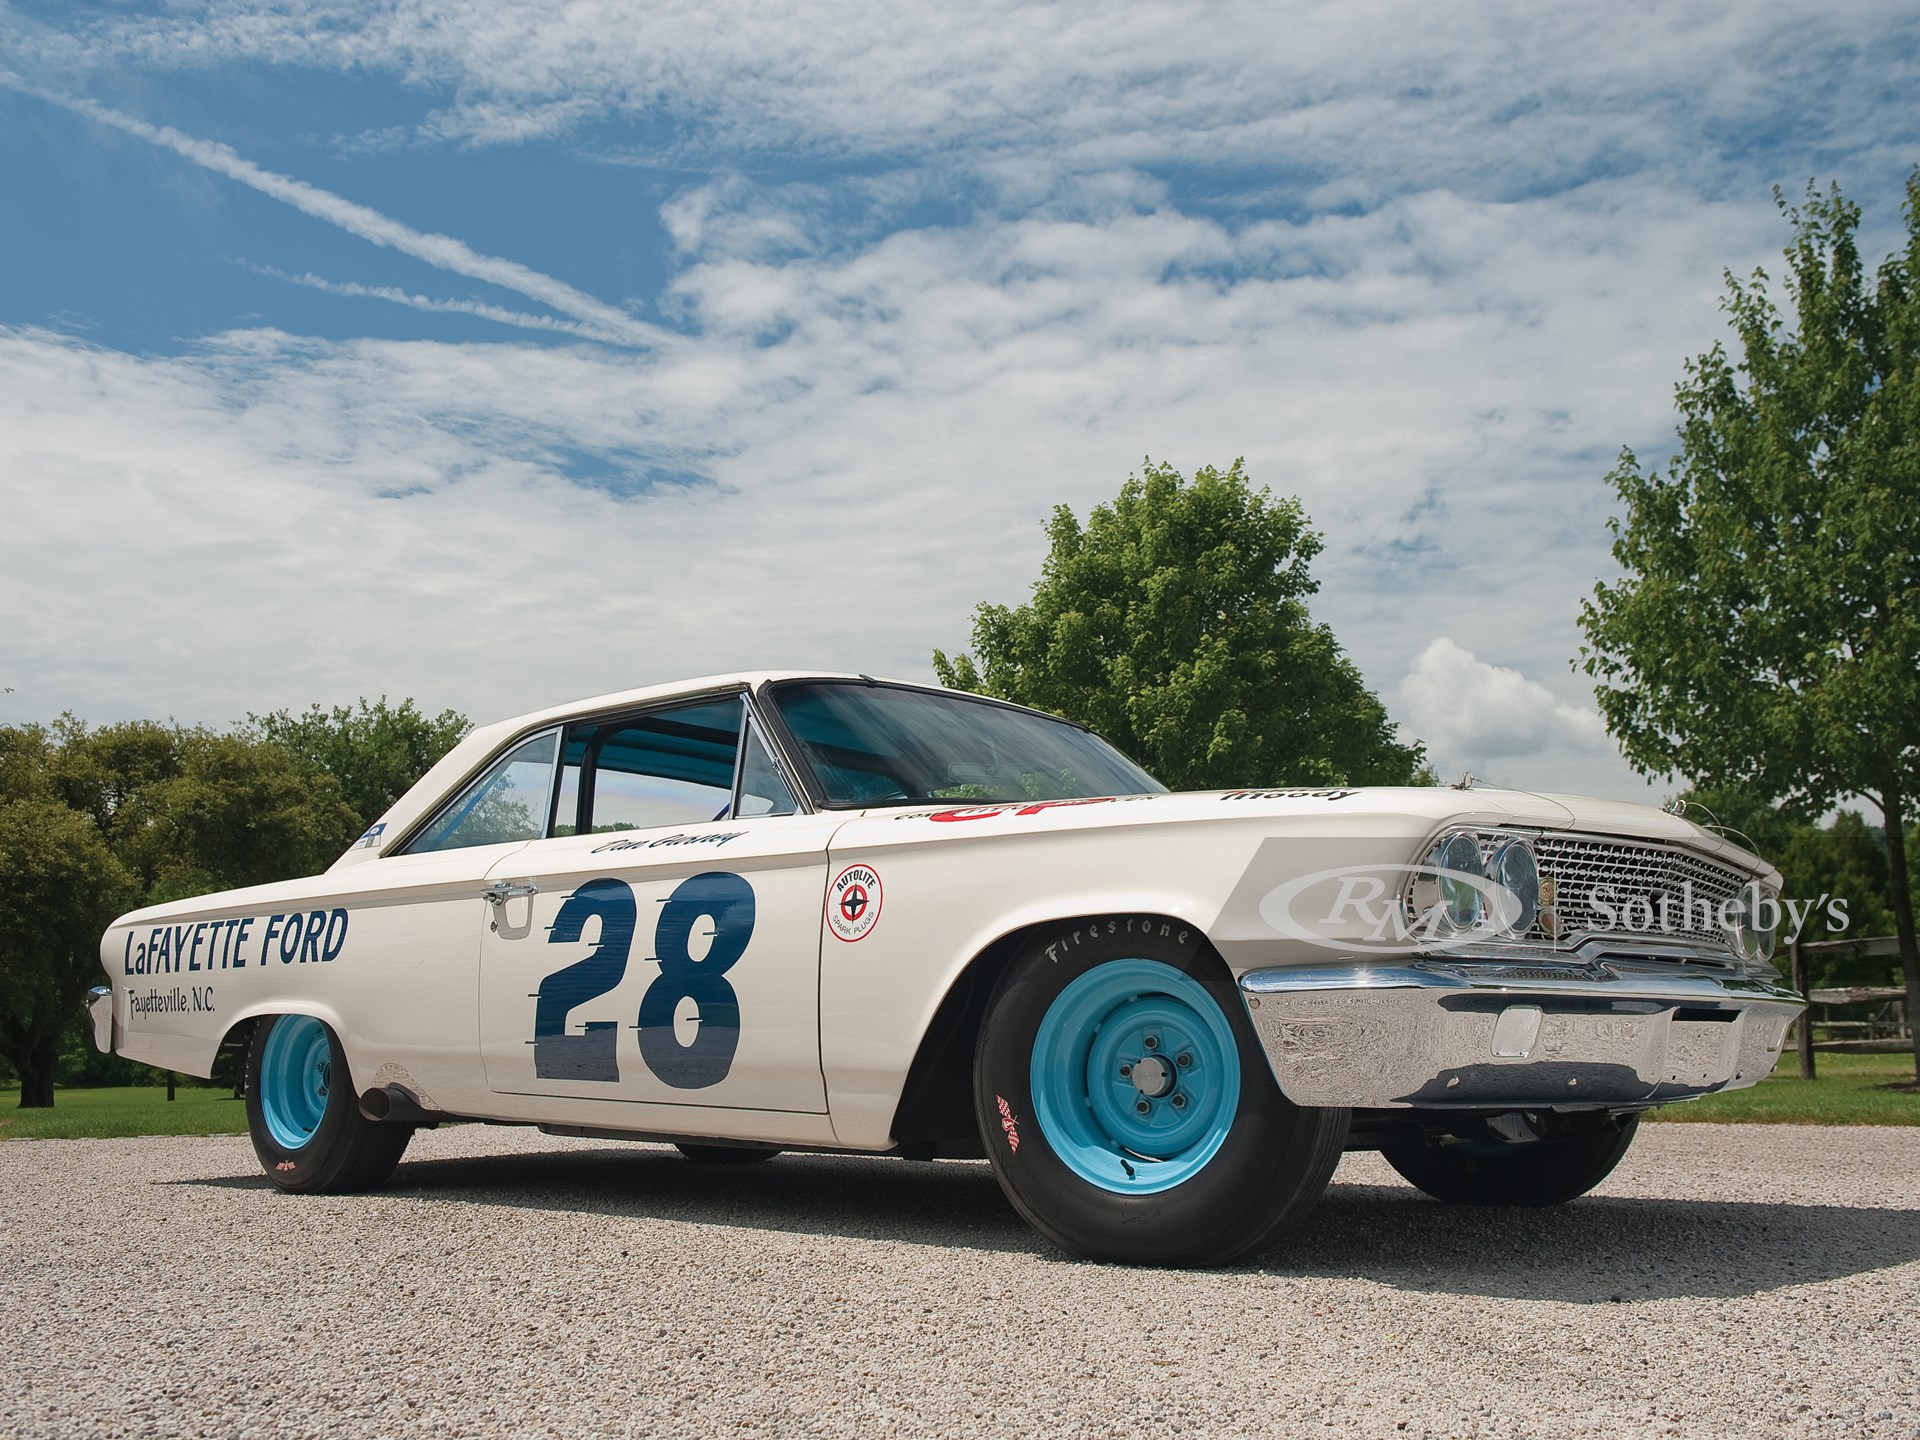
(296, 1076)
(1136, 1077)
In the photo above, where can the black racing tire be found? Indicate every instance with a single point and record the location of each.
(298, 1083)
(1538, 1173)
(725, 1154)
(1117, 1168)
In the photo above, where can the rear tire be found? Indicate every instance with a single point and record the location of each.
(1128, 1109)
(725, 1154)
(304, 1114)
(1541, 1172)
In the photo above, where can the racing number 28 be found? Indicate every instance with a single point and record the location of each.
(592, 1054)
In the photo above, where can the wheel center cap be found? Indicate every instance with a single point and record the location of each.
(1152, 1076)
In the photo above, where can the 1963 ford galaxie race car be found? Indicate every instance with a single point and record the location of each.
(765, 912)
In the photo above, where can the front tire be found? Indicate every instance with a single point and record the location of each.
(1541, 1172)
(1128, 1108)
(304, 1114)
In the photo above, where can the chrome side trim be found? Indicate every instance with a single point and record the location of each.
(773, 734)
(1480, 1033)
(775, 745)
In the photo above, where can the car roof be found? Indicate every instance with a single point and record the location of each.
(482, 741)
(646, 694)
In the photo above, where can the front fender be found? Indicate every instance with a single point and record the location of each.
(943, 907)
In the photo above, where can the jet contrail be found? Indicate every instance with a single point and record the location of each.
(498, 313)
(603, 321)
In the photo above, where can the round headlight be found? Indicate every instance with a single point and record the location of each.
(1515, 871)
(1460, 902)
(1753, 918)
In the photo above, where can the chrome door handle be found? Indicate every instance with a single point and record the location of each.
(499, 894)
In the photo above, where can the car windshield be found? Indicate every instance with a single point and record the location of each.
(879, 745)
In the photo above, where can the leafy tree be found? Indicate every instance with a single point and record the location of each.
(373, 751)
(189, 811)
(1844, 859)
(1849, 859)
(96, 821)
(23, 762)
(1766, 635)
(1175, 623)
(106, 772)
(241, 811)
(63, 888)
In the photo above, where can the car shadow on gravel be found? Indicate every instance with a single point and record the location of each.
(1593, 1251)
(955, 1203)
(1597, 1250)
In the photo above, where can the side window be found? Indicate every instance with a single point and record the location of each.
(672, 767)
(508, 802)
(763, 790)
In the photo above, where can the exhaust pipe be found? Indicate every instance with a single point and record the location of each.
(395, 1105)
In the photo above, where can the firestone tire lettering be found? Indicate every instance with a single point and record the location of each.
(1240, 1164)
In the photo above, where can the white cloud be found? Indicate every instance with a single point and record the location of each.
(1372, 96)
(1427, 268)
(876, 438)
(1471, 712)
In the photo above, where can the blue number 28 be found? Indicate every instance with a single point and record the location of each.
(724, 897)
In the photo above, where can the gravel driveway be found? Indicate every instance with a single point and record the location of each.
(1728, 1280)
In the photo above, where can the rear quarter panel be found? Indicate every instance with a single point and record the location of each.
(386, 954)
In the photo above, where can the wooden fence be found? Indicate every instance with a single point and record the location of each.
(1887, 1027)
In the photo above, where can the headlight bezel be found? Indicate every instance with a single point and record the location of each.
(1754, 941)
(1464, 907)
(1515, 868)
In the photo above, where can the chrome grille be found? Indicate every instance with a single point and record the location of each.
(1635, 871)
(1689, 883)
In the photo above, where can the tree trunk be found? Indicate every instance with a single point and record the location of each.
(36, 1064)
(1902, 896)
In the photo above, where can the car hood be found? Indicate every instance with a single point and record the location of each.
(1385, 810)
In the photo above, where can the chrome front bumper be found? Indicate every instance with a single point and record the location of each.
(1466, 1033)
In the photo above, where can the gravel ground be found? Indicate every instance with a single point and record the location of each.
(1728, 1280)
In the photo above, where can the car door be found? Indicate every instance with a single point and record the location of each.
(662, 945)
(402, 990)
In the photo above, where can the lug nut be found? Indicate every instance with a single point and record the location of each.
(1153, 1042)
(1179, 1102)
(1183, 1059)
(1143, 1107)
(1125, 1071)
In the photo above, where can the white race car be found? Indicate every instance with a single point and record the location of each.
(770, 912)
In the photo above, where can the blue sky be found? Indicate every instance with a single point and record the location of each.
(497, 353)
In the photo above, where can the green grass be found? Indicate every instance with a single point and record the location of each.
(1851, 1090)
(124, 1110)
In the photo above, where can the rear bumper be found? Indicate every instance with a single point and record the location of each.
(1465, 1033)
(100, 1012)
